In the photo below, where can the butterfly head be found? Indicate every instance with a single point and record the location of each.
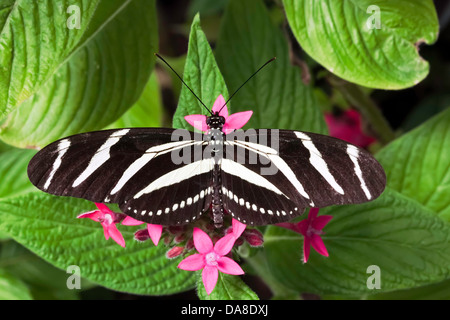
(215, 121)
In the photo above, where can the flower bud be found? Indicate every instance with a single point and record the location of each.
(174, 252)
(141, 235)
(253, 237)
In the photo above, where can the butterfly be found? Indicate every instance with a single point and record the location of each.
(171, 176)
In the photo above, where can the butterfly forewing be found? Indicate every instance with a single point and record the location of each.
(153, 174)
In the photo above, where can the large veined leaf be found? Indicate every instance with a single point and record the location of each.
(96, 83)
(408, 242)
(277, 95)
(34, 41)
(371, 43)
(418, 164)
(13, 172)
(202, 75)
(47, 225)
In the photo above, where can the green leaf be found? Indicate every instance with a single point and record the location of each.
(436, 291)
(228, 287)
(35, 42)
(202, 75)
(96, 84)
(146, 112)
(343, 37)
(13, 172)
(409, 244)
(35, 273)
(277, 95)
(12, 288)
(47, 225)
(418, 164)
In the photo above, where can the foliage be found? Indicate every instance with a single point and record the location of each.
(56, 81)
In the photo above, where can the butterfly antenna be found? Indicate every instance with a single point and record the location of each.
(183, 82)
(254, 74)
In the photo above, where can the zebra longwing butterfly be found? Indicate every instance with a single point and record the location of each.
(172, 176)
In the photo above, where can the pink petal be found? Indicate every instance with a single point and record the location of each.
(347, 126)
(288, 225)
(106, 231)
(236, 121)
(198, 121)
(116, 235)
(129, 221)
(238, 228)
(302, 226)
(320, 222)
(225, 244)
(94, 215)
(229, 266)
(103, 208)
(193, 263)
(218, 104)
(313, 213)
(155, 231)
(306, 249)
(209, 277)
(318, 245)
(202, 241)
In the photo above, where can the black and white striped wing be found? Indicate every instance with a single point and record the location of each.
(123, 166)
(292, 171)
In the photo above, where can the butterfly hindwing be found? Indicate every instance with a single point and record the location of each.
(175, 198)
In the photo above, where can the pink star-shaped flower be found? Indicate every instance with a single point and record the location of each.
(311, 229)
(108, 220)
(347, 127)
(154, 230)
(232, 122)
(211, 258)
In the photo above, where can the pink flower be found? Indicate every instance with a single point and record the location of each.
(237, 228)
(211, 258)
(232, 122)
(154, 230)
(108, 220)
(311, 229)
(347, 126)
